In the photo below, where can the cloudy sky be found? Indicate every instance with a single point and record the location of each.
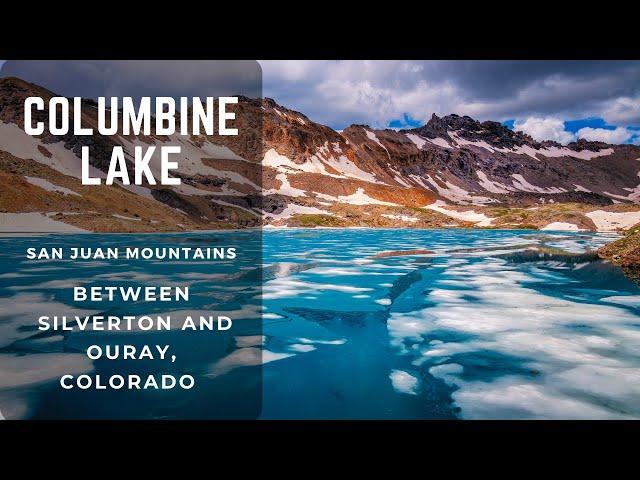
(555, 100)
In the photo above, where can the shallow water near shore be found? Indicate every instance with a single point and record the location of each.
(490, 324)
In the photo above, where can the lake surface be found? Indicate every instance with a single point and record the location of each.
(482, 327)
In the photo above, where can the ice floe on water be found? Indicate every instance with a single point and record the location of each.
(528, 354)
(301, 347)
(511, 397)
(340, 341)
(448, 372)
(491, 324)
(628, 300)
(404, 382)
(22, 370)
(285, 287)
(21, 311)
(22, 374)
(383, 301)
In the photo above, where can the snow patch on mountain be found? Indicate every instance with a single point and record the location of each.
(397, 176)
(139, 190)
(34, 222)
(523, 185)
(219, 151)
(461, 142)
(48, 186)
(619, 197)
(21, 145)
(187, 189)
(358, 198)
(401, 181)
(293, 209)
(372, 136)
(285, 165)
(403, 218)
(233, 205)
(480, 219)
(490, 185)
(441, 142)
(553, 152)
(634, 195)
(316, 164)
(563, 226)
(16, 142)
(612, 221)
(124, 217)
(191, 163)
(524, 150)
(361, 198)
(455, 193)
(567, 152)
(419, 141)
(349, 169)
(286, 188)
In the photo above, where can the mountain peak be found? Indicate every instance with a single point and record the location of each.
(582, 144)
(493, 133)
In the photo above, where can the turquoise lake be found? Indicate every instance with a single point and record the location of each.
(485, 326)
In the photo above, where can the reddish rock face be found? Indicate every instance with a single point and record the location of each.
(286, 169)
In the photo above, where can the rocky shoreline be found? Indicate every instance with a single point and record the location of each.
(625, 253)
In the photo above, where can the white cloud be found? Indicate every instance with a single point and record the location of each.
(545, 129)
(619, 135)
(623, 110)
(553, 129)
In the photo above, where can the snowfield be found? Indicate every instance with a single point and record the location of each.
(612, 221)
(480, 219)
(33, 223)
(48, 186)
(563, 226)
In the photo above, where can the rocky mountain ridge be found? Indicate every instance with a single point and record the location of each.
(286, 170)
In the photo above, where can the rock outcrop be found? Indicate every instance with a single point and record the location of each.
(284, 169)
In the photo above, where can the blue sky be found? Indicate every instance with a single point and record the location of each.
(550, 100)
(407, 122)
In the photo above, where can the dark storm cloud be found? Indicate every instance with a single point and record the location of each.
(338, 92)
(497, 79)
(91, 79)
